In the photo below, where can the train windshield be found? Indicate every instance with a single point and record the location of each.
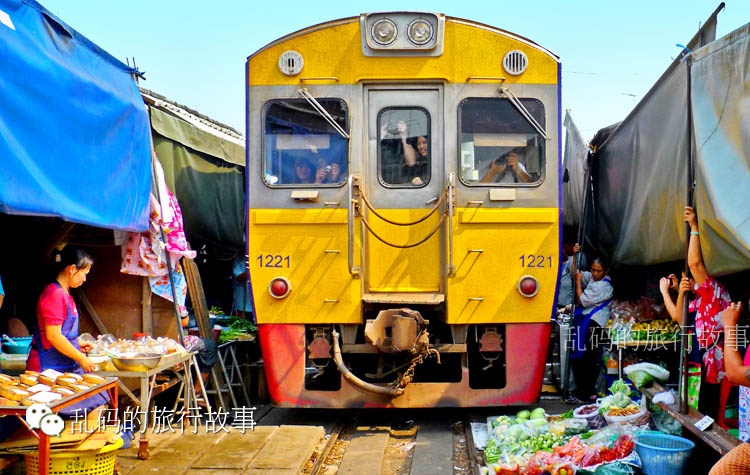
(301, 147)
(499, 146)
(404, 146)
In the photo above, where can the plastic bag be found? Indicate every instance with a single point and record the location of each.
(641, 379)
(654, 370)
(614, 468)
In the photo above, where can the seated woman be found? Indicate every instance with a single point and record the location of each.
(55, 342)
(593, 294)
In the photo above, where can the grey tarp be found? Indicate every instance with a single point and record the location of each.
(640, 177)
(206, 174)
(574, 163)
(640, 173)
(721, 122)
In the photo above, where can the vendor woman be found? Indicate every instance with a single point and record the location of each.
(594, 294)
(55, 342)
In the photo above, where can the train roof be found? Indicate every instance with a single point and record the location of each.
(347, 20)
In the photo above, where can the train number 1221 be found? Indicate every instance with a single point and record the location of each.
(536, 261)
(273, 260)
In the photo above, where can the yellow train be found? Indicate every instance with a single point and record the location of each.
(404, 212)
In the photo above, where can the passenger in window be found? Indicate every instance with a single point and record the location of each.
(507, 169)
(328, 172)
(304, 172)
(416, 167)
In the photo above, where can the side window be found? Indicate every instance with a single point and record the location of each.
(300, 146)
(405, 146)
(498, 145)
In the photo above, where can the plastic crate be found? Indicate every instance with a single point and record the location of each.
(663, 454)
(101, 462)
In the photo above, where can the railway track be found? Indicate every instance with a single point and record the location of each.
(434, 441)
(396, 441)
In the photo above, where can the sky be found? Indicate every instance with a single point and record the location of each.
(193, 52)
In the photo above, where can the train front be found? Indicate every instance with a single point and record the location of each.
(403, 190)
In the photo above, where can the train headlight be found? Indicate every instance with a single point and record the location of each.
(402, 33)
(384, 31)
(279, 287)
(420, 31)
(528, 286)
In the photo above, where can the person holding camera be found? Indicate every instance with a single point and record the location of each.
(507, 169)
(327, 173)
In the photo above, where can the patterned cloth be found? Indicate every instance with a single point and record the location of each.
(744, 413)
(710, 299)
(744, 405)
(143, 254)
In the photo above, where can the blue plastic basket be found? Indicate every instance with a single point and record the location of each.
(663, 454)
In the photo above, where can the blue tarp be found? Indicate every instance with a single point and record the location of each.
(74, 131)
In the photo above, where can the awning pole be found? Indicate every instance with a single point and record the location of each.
(684, 336)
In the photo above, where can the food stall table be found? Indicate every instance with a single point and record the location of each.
(44, 440)
(231, 367)
(147, 386)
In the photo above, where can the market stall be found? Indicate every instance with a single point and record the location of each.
(18, 394)
(615, 432)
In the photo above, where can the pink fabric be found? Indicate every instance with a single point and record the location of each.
(143, 255)
(710, 299)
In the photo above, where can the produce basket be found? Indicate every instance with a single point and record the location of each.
(640, 418)
(663, 454)
(590, 414)
(101, 462)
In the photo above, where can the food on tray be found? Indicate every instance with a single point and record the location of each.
(93, 378)
(75, 376)
(28, 379)
(66, 381)
(62, 390)
(6, 380)
(14, 393)
(44, 379)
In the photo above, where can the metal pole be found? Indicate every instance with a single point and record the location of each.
(683, 384)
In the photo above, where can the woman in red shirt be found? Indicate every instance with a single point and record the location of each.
(55, 344)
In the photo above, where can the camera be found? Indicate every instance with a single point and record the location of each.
(501, 160)
(328, 169)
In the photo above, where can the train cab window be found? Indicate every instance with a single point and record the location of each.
(405, 146)
(301, 146)
(499, 146)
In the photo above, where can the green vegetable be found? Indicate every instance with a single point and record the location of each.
(237, 328)
(567, 415)
(524, 414)
(620, 386)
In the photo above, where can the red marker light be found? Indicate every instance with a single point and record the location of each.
(528, 286)
(279, 287)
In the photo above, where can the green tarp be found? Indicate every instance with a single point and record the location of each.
(206, 174)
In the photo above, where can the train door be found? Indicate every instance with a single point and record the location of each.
(403, 184)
